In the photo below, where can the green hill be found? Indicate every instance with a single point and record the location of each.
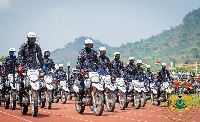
(180, 43)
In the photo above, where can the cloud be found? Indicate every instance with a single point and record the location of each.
(61, 14)
(5, 4)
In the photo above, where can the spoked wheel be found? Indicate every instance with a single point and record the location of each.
(34, 103)
(143, 100)
(137, 101)
(24, 109)
(48, 99)
(122, 101)
(110, 102)
(63, 97)
(7, 102)
(79, 108)
(42, 104)
(98, 103)
(13, 100)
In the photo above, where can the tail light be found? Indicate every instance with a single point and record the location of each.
(176, 84)
(57, 80)
(20, 69)
(2, 73)
(188, 85)
(82, 71)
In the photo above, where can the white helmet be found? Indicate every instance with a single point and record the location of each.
(164, 64)
(46, 53)
(56, 66)
(148, 66)
(74, 70)
(139, 61)
(60, 65)
(102, 48)
(131, 58)
(116, 54)
(88, 43)
(12, 50)
(31, 35)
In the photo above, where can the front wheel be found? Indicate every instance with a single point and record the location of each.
(122, 101)
(137, 101)
(98, 103)
(34, 103)
(48, 99)
(13, 100)
(24, 109)
(79, 108)
(63, 97)
(110, 102)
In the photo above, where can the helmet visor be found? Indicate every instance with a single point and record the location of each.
(117, 56)
(47, 53)
(90, 45)
(32, 40)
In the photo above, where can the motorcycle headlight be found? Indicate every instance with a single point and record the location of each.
(33, 77)
(95, 79)
(121, 83)
(48, 80)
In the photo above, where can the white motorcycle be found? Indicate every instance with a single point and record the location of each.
(121, 93)
(93, 96)
(138, 100)
(64, 91)
(110, 95)
(30, 97)
(13, 89)
(166, 89)
(48, 88)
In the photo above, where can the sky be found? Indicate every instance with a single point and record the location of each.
(113, 22)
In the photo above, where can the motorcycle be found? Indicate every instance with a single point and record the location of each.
(93, 93)
(46, 94)
(110, 94)
(138, 99)
(166, 89)
(11, 97)
(121, 93)
(31, 88)
(64, 90)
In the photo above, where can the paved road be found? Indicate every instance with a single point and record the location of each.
(66, 112)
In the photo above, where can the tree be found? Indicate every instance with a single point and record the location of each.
(2, 58)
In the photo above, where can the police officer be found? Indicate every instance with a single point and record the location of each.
(130, 68)
(88, 57)
(48, 61)
(103, 60)
(87, 60)
(149, 75)
(117, 65)
(27, 57)
(163, 75)
(139, 71)
(9, 64)
(28, 51)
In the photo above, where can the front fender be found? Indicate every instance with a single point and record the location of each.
(35, 85)
(98, 86)
(49, 86)
(123, 89)
(110, 87)
(66, 89)
(76, 88)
